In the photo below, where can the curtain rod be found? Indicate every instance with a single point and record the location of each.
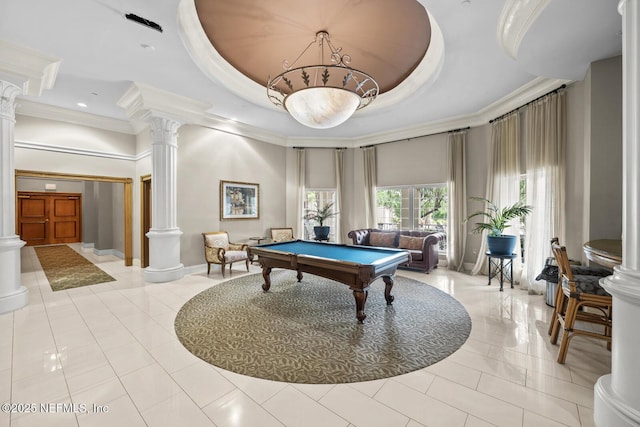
(320, 148)
(415, 137)
(528, 103)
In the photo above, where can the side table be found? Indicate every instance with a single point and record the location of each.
(500, 264)
(258, 240)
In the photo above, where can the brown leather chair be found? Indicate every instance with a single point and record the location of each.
(219, 250)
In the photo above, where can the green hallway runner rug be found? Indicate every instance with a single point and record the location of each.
(66, 268)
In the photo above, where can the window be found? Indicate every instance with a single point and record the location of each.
(317, 199)
(412, 208)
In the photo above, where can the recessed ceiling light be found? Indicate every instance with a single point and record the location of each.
(81, 104)
(466, 3)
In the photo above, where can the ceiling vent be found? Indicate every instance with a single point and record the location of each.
(142, 21)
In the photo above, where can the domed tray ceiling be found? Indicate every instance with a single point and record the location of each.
(386, 39)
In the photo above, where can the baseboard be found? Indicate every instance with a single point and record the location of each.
(195, 269)
(101, 252)
(86, 245)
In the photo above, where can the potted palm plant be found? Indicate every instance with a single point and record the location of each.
(497, 220)
(321, 215)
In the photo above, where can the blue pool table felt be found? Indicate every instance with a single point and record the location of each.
(357, 255)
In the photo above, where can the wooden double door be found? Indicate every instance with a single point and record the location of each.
(49, 218)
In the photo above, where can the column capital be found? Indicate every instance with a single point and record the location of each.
(8, 93)
(164, 130)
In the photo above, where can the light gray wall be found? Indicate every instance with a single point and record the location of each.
(605, 196)
(417, 161)
(31, 129)
(38, 185)
(205, 157)
(320, 168)
(104, 198)
(89, 214)
(117, 215)
(477, 161)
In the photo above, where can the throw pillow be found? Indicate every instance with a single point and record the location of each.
(411, 243)
(382, 239)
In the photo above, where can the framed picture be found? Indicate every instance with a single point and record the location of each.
(239, 200)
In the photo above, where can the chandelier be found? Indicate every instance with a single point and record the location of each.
(322, 96)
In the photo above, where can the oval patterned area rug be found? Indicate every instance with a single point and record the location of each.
(307, 332)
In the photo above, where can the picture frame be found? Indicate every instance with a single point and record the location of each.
(239, 200)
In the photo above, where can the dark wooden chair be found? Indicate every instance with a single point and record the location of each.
(582, 300)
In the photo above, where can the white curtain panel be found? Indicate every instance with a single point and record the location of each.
(338, 206)
(545, 139)
(503, 183)
(457, 201)
(370, 183)
(298, 227)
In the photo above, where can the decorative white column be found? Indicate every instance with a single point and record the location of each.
(617, 396)
(12, 295)
(164, 235)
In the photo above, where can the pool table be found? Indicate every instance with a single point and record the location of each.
(355, 266)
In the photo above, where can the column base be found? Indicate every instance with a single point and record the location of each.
(609, 410)
(12, 295)
(158, 275)
(616, 398)
(164, 256)
(14, 301)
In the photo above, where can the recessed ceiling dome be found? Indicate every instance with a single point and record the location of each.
(385, 39)
(240, 45)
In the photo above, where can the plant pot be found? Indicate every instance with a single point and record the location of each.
(502, 245)
(321, 233)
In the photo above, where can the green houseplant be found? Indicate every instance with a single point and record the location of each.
(497, 220)
(321, 215)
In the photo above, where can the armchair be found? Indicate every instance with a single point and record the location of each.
(219, 250)
(282, 234)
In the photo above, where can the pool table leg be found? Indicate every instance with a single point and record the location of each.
(299, 276)
(388, 281)
(266, 271)
(361, 299)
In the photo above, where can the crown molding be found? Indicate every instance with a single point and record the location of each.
(526, 93)
(193, 113)
(29, 145)
(135, 101)
(516, 18)
(141, 101)
(29, 69)
(44, 111)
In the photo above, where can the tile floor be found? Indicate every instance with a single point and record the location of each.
(111, 351)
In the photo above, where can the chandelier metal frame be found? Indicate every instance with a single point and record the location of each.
(337, 75)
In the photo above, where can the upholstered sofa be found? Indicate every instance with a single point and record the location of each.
(423, 245)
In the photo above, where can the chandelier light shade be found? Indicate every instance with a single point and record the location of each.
(322, 96)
